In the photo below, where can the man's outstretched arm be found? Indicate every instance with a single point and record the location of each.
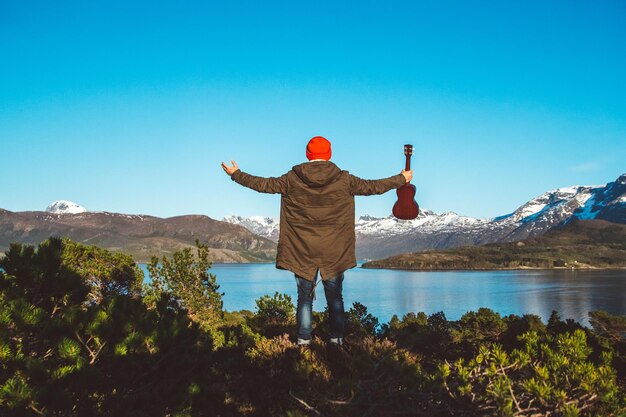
(359, 186)
(272, 185)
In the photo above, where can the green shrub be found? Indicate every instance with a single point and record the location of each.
(548, 376)
(482, 325)
(184, 280)
(278, 309)
(274, 315)
(105, 272)
(66, 353)
(359, 321)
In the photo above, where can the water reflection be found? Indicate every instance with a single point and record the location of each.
(388, 292)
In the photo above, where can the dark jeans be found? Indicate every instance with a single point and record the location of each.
(333, 291)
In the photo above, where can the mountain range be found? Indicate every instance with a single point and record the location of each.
(380, 237)
(253, 239)
(139, 235)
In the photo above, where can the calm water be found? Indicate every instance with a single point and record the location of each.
(388, 292)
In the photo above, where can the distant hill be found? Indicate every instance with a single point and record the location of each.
(139, 235)
(577, 244)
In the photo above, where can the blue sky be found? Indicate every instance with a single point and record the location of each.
(131, 108)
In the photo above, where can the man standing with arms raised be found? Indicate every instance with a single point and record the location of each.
(317, 227)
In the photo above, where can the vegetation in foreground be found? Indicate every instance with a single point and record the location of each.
(79, 336)
(577, 245)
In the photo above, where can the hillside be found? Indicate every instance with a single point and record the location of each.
(577, 244)
(139, 235)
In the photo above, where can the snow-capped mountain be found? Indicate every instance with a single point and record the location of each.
(427, 219)
(379, 237)
(607, 203)
(266, 227)
(65, 207)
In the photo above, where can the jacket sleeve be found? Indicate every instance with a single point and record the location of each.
(359, 186)
(271, 185)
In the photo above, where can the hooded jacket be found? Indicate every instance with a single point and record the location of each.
(317, 215)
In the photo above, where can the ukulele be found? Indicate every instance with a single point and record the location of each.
(406, 208)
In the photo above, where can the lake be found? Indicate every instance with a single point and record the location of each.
(387, 292)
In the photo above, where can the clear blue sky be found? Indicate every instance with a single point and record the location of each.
(131, 108)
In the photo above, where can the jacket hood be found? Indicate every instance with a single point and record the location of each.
(317, 173)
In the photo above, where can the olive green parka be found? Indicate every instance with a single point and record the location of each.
(317, 215)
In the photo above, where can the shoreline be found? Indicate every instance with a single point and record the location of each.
(618, 268)
(529, 268)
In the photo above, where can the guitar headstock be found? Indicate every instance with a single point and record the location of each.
(408, 150)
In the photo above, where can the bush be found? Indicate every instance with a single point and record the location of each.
(185, 281)
(64, 353)
(482, 325)
(278, 309)
(359, 322)
(611, 333)
(549, 375)
(106, 273)
(274, 315)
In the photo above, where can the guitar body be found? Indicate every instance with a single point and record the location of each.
(406, 208)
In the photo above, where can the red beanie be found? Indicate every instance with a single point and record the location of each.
(318, 148)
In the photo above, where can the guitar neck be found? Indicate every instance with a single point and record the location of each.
(408, 151)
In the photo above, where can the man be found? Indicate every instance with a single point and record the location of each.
(317, 227)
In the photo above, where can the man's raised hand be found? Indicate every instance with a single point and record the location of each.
(408, 175)
(230, 169)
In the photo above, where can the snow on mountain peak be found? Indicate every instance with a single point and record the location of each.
(259, 225)
(532, 218)
(548, 202)
(427, 220)
(65, 207)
